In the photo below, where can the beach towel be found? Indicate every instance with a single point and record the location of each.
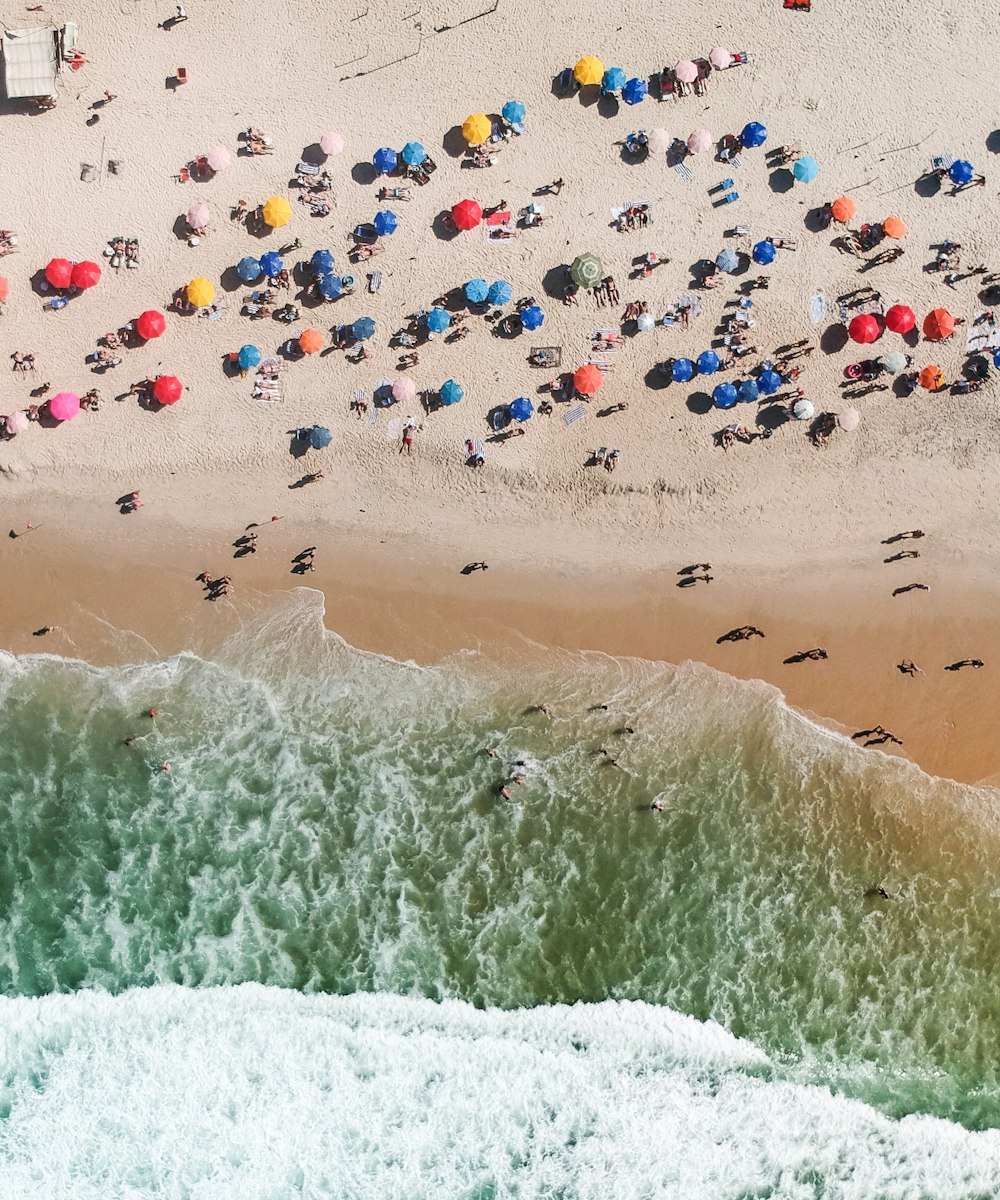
(575, 413)
(684, 171)
(392, 430)
(817, 308)
(982, 337)
(477, 450)
(374, 281)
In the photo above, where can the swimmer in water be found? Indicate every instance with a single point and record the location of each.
(129, 741)
(503, 792)
(165, 768)
(657, 806)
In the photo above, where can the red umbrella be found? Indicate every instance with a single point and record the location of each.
(167, 389)
(900, 319)
(59, 272)
(150, 324)
(864, 328)
(938, 325)
(467, 214)
(4, 288)
(587, 380)
(86, 274)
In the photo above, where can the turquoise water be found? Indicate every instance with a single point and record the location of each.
(331, 825)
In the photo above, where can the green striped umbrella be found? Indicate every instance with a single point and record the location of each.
(587, 270)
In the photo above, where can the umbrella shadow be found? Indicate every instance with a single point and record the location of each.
(781, 180)
(927, 185)
(314, 153)
(608, 106)
(772, 416)
(833, 339)
(453, 143)
(180, 228)
(655, 379)
(993, 142)
(297, 447)
(443, 227)
(364, 173)
(816, 221)
(554, 281)
(230, 280)
(700, 403)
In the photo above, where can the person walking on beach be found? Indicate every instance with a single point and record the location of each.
(911, 587)
(909, 667)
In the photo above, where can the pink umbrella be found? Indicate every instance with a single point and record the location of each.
(404, 389)
(331, 143)
(17, 422)
(849, 419)
(64, 406)
(719, 57)
(199, 215)
(218, 158)
(700, 141)
(686, 71)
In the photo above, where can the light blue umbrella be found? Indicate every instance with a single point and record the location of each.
(768, 382)
(728, 261)
(271, 264)
(708, 362)
(499, 292)
(319, 437)
(330, 287)
(476, 291)
(437, 320)
(748, 391)
(724, 396)
(634, 92)
(385, 222)
(450, 392)
(248, 357)
(532, 317)
(413, 154)
(763, 253)
(384, 160)
(805, 169)
(682, 370)
(960, 172)
(521, 408)
(513, 112)
(363, 328)
(248, 269)
(613, 81)
(754, 134)
(321, 262)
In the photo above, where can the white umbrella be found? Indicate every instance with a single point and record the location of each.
(719, 57)
(17, 422)
(331, 143)
(658, 141)
(218, 158)
(645, 321)
(849, 419)
(699, 141)
(804, 410)
(686, 71)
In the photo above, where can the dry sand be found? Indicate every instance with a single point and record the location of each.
(578, 556)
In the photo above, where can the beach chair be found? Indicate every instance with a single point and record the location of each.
(600, 456)
(668, 85)
(374, 281)
(307, 168)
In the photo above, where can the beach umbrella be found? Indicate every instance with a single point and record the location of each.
(681, 370)
(658, 141)
(64, 406)
(931, 378)
(843, 209)
(513, 112)
(960, 172)
(748, 391)
(17, 422)
(894, 362)
(938, 325)
(4, 288)
(724, 395)
(467, 214)
(894, 227)
(200, 292)
(249, 356)
(363, 328)
(763, 253)
(271, 264)
(728, 261)
(310, 340)
(708, 362)
(167, 389)
(198, 215)
(720, 58)
(86, 274)
(450, 392)
(277, 212)
(331, 143)
(532, 317)
(754, 134)
(477, 129)
(768, 382)
(613, 81)
(804, 410)
(635, 91)
(437, 320)
(900, 319)
(385, 222)
(699, 141)
(499, 293)
(588, 71)
(587, 270)
(249, 269)
(329, 286)
(805, 169)
(645, 322)
(521, 408)
(384, 161)
(476, 291)
(59, 272)
(849, 419)
(864, 328)
(686, 71)
(404, 389)
(321, 262)
(218, 158)
(320, 437)
(588, 379)
(150, 324)
(413, 154)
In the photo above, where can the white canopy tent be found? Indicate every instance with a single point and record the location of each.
(30, 62)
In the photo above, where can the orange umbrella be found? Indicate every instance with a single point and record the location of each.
(894, 227)
(932, 378)
(310, 340)
(4, 289)
(938, 325)
(588, 379)
(843, 209)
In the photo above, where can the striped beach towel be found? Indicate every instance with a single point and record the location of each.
(684, 171)
(374, 281)
(575, 413)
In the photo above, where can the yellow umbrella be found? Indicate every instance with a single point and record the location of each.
(588, 70)
(277, 212)
(477, 129)
(200, 292)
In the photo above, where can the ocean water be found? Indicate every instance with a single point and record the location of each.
(446, 993)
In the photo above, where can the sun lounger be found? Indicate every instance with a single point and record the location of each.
(575, 413)
(600, 456)
(374, 281)
(307, 168)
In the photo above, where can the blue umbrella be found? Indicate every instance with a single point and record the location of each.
(754, 134)
(363, 328)
(634, 92)
(438, 320)
(521, 408)
(271, 264)
(413, 154)
(613, 81)
(330, 286)
(499, 292)
(321, 262)
(682, 370)
(763, 253)
(385, 222)
(805, 169)
(476, 291)
(248, 357)
(248, 269)
(724, 396)
(728, 261)
(708, 362)
(384, 160)
(319, 436)
(768, 382)
(513, 112)
(450, 392)
(748, 391)
(996, 358)
(960, 172)
(532, 317)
